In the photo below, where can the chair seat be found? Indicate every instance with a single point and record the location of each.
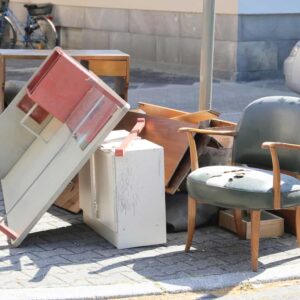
(241, 187)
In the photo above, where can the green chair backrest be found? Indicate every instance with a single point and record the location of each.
(269, 119)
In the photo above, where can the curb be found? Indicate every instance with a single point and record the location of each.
(191, 284)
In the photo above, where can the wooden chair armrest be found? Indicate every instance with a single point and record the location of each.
(272, 146)
(267, 145)
(208, 131)
(193, 149)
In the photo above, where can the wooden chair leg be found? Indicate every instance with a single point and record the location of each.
(255, 226)
(238, 222)
(297, 222)
(192, 207)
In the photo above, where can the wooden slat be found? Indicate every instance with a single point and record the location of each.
(8, 232)
(197, 117)
(134, 132)
(160, 111)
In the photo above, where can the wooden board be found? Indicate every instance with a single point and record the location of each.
(270, 225)
(164, 132)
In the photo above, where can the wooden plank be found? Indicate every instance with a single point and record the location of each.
(160, 111)
(69, 199)
(134, 132)
(164, 132)
(198, 116)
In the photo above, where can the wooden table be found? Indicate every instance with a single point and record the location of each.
(102, 62)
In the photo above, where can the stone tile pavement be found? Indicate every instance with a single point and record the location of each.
(62, 252)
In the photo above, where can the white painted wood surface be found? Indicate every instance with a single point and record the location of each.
(129, 207)
(43, 172)
(15, 139)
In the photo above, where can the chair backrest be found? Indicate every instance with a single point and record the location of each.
(272, 119)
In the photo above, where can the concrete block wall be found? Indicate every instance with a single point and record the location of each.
(247, 47)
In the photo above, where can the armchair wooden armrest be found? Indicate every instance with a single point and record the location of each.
(272, 146)
(208, 131)
(193, 149)
(267, 145)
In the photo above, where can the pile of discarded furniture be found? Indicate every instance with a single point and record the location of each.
(71, 140)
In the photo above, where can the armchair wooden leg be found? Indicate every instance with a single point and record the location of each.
(297, 222)
(192, 207)
(238, 222)
(255, 226)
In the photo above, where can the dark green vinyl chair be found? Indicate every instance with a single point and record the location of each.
(264, 174)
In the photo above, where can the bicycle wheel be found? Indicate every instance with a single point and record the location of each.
(8, 36)
(44, 36)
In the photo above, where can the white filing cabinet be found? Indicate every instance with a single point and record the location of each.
(123, 198)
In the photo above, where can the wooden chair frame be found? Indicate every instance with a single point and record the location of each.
(255, 214)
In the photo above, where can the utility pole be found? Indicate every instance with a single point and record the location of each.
(207, 54)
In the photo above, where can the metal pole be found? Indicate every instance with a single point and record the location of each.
(207, 54)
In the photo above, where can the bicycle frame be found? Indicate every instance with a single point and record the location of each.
(23, 30)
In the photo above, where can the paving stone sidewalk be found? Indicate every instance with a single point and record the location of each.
(62, 252)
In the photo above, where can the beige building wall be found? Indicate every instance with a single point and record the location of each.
(222, 6)
(252, 38)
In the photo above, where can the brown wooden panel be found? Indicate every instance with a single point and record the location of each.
(162, 131)
(69, 199)
(108, 68)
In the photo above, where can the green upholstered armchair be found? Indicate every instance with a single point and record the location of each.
(265, 169)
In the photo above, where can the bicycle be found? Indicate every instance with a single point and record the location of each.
(38, 32)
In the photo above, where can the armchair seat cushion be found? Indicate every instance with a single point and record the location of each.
(241, 187)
